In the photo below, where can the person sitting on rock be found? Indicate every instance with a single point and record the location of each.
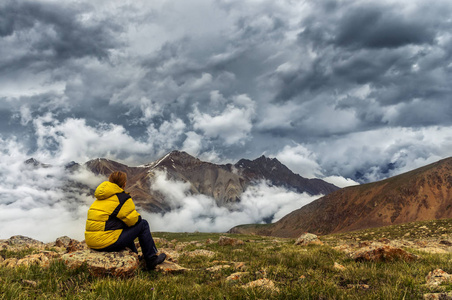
(113, 223)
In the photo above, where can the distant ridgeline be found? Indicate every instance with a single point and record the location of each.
(224, 183)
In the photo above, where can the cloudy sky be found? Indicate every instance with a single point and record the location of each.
(345, 90)
(348, 91)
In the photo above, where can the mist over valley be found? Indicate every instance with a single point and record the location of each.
(178, 192)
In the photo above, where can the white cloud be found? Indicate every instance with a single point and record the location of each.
(199, 212)
(192, 144)
(201, 82)
(44, 223)
(370, 152)
(73, 139)
(212, 156)
(166, 137)
(174, 191)
(300, 160)
(29, 84)
(36, 201)
(233, 125)
(217, 99)
(376, 154)
(303, 161)
(340, 181)
(263, 200)
(25, 115)
(279, 116)
(149, 109)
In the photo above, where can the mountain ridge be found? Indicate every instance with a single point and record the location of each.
(223, 182)
(421, 194)
(285, 176)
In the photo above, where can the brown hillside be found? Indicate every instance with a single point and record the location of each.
(422, 194)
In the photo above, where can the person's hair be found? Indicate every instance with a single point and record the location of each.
(118, 177)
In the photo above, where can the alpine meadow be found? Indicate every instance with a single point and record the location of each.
(225, 149)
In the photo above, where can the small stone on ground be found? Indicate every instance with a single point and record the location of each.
(170, 267)
(308, 239)
(262, 283)
(437, 277)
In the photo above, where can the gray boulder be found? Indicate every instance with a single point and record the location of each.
(168, 267)
(307, 239)
(118, 264)
(227, 241)
(63, 241)
(20, 242)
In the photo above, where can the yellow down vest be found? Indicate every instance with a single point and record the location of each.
(112, 211)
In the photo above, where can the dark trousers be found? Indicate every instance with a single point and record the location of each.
(141, 231)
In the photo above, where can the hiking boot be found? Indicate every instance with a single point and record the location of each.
(154, 260)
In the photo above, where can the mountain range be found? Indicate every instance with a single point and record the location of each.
(224, 183)
(421, 194)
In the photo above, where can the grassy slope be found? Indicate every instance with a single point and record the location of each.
(299, 273)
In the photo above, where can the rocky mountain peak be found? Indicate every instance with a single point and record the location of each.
(32, 161)
(175, 159)
(104, 166)
(72, 166)
(182, 157)
(35, 163)
(263, 163)
(272, 170)
(265, 159)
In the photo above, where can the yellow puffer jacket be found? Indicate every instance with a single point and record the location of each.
(112, 211)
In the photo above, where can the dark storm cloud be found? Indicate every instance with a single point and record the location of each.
(366, 66)
(369, 31)
(13, 18)
(347, 91)
(53, 32)
(378, 27)
(228, 79)
(397, 51)
(384, 24)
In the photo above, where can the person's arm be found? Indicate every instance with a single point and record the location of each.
(128, 213)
